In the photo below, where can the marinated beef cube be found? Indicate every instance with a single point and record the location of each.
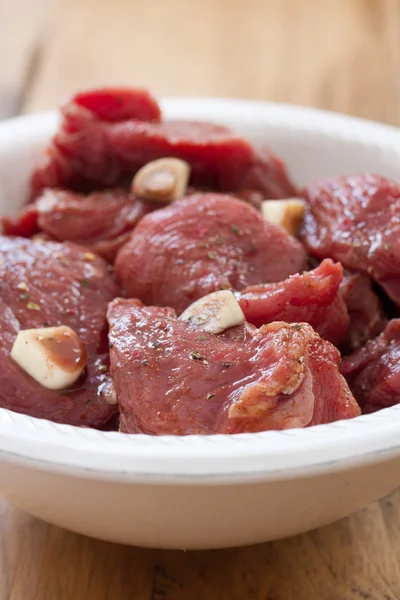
(367, 317)
(373, 371)
(312, 297)
(174, 379)
(102, 221)
(201, 244)
(106, 136)
(356, 220)
(43, 285)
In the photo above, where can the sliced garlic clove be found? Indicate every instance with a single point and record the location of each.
(162, 180)
(107, 392)
(54, 356)
(287, 213)
(214, 313)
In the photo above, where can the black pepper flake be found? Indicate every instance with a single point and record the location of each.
(296, 326)
(179, 261)
(236, 230)
(85, 283)
(145, 363)
(226, 365)
(111, 344)
(196, 355)
(155, 344)
(212, 255)
(252, 249)
(209, 396)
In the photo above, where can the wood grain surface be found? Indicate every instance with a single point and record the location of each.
(337, 54)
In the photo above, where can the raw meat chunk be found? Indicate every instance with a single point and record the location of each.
(102, 144)
(119, 104)
(373, 371)
(102, 221)
(98, 220)
(47, 284)
(356, 220)
(312, 297)
(367, 317)
(201, 244)
(177, 380)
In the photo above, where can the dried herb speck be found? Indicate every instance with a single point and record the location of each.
(196, 355)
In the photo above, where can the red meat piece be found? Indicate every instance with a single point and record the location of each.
(356, 220)
(176, 380)
(373, 371)
(89, 152)
(202, 244)
(312, 297)
(367, 317)
(98, 220)
(119, 104)
(23, 225)
(102, 221)
(49, 284)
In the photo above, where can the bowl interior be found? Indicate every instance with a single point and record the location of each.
(314, 145)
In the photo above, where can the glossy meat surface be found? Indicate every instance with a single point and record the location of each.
(173, 379)
(373, 371)
(312, 297)
(201, 244)
(356, 220)
(47, 284)
(99, 144)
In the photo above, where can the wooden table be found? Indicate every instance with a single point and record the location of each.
(340, 54)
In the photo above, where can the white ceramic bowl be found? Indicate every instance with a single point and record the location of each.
(206, 491)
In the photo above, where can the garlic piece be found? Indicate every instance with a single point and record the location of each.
(107, 392)
(162, 180)
(287, 213)
(214, 313)
(54, 356)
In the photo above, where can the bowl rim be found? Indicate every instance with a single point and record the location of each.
(210, 459)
